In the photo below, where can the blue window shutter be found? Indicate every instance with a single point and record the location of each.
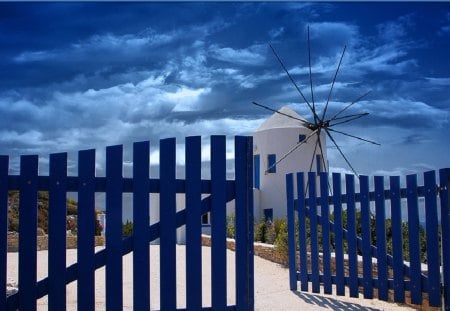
(256, 168)
(271, 160)
(319, 163)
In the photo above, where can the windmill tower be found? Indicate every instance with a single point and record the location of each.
(272, 141)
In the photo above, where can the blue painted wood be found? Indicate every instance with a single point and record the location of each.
(314, 234)
(366, 237)
(193, 223)
(114, 295)
(414, 239)
(444, 194)
(57, 232)
(141, 221)
(302, 231)
(167, 208)
(291, 232)
(4, 167)
(27, 232)
(351, 235)
(218, 224)
(432, 239)
(380, 230)
(325, 223)
(338, 234)
(397, 240)
(244, 223)
(86, 230)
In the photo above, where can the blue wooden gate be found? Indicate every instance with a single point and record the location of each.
(358, 263)
(220, 191)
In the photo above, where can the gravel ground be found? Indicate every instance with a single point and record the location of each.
(271, 285)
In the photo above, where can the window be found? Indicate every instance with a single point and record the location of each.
(319, 163)
(301, 138)
(268, 214)
(205, 220)
(256, 171)
(271, 160)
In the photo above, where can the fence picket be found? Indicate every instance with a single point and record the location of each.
(244, 223)
(193, 224)
(325, 223)
(27, 231)
(366, 237)
(432, 239)
(397, 241)
(414, 239)
(114, 184)
(444, 180)
(302, 231)
(57, 232)
(291, 232)
(86, 230)
(167, 208)
(314, 234)
(380, 231)
(4, 166)
(351, 235)
(338, 234)
(218, 223)
(141, 220)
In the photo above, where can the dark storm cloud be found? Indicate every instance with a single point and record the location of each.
(83, 75)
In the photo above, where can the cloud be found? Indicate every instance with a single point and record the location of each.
(252, 55)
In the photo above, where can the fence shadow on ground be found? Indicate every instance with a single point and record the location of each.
(330, 303)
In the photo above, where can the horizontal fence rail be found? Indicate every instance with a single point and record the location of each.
(358, 238)
(201, 197)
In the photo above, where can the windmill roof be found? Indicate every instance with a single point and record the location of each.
(278, 120)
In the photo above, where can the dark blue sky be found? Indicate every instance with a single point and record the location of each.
(86, 75)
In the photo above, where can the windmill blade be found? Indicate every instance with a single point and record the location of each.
(356, 137)
(350, 118)
(292, 80)
(307, 124)
(290, 151)
(332, 84)
(340, 151)
(310, 78)
(349, 105)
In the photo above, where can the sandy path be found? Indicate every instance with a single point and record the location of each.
(271, 285)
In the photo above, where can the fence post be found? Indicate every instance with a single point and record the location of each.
(291, 232)
(114, 183)
(193, 223)
(218, 223)
(27, 231)
(141, 217)
(434, 283)
(57, 232)
(302, 231)
(4, 162)
(244, 223)
(444, 177)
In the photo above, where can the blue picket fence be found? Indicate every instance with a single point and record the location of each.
(322, 263)
(114, 185)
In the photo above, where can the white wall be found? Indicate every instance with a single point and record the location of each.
(279, 141)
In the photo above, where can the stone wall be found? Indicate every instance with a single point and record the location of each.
(266, 251)
(42, 242)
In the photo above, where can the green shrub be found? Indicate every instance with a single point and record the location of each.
(231, 225)
(281, 240)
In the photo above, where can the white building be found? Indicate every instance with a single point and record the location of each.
(271, 141)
